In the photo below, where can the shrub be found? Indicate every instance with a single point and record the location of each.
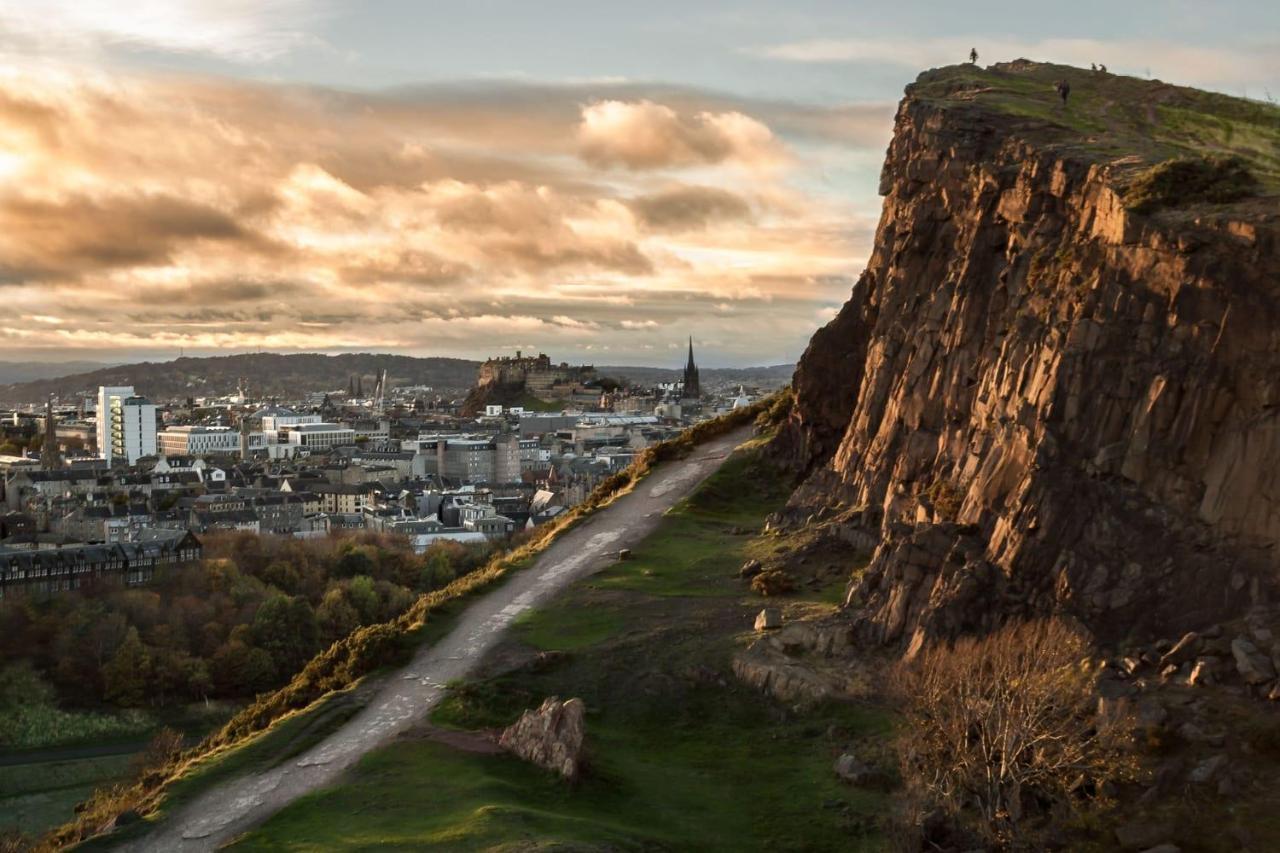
(1001, 732)
(1188, 180)
(773, 582)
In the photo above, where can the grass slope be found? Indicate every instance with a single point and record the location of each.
(682, 756)
(1132, 122)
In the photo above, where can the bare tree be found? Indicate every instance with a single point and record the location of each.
(1003, 728)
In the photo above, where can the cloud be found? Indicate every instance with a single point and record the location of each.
(1205, 65)
(686, 208)
(214, 214)
(647, 135)
(240, 30)
(79, 234)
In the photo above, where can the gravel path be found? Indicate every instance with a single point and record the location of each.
(405, 697)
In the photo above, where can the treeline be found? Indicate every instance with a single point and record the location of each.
(240, 622)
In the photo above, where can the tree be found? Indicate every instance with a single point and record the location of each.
(127, 675)
(999, 726)
(335, 616)
(364, 597)
(286, 629)
(355, 560)
(21, 685)
(437, 572)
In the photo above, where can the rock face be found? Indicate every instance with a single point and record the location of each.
(550, 737)
(1040, 401)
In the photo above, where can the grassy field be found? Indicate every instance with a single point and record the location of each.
(1133, 122)
(40, 786)
(681, 755)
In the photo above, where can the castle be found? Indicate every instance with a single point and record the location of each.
(534, 375)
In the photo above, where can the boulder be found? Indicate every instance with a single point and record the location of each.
(1206, 770)
(768, 619)
(1254, 667)
(750, 569)
(847, 766)
(1202, 672)
(849, 769)
(1182, 651)
(550, 737)
(624, 554)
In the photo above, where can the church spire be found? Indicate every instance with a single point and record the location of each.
(692, 388)
(50, 456)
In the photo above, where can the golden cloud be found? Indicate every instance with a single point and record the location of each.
(210, 213)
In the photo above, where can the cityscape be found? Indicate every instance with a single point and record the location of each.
(830, 426)
(121, 482)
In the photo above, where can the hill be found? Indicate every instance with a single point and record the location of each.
(771, 376)
(13, 372)
(267, 374)
(1049, 415)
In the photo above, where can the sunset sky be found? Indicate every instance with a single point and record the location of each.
(597, 180)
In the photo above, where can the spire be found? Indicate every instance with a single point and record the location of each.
(50, 457)
(692, 387)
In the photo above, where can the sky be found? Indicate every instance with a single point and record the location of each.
(595, 180)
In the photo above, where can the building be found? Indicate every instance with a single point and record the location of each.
(197, 441)
(279, 418)
(47, 570)
(318, 436)
(50, 455)
(479, 459)
(692, 386)
(126, 425)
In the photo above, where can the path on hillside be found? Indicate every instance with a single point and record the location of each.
(404, 697)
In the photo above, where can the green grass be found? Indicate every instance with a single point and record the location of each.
(568, 629)
(35, 797)
(38, 727)
(681, 755)
(1130, 122)
(287, 739)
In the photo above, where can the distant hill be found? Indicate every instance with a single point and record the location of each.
(267, 375)
(772, 375)
(12, 372)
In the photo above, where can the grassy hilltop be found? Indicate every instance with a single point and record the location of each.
(1130, 123)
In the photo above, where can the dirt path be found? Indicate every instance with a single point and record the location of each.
(405, 697)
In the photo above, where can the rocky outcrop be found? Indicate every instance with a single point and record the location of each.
(1040, 401)
(803, 662)
(550, 737)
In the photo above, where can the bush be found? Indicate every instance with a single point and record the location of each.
(1189, 180)
(773, 582)
(1001, 733)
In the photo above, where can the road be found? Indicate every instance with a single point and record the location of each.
(406, 696)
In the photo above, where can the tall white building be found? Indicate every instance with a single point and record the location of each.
(126, 425)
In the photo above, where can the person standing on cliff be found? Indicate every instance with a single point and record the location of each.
(973, 56)
(1063, 88)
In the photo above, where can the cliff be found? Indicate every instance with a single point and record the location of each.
(1056, 386)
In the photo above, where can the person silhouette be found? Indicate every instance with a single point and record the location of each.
(1063, 88)
(1102, 68)
(973, 56)
(1093, 66)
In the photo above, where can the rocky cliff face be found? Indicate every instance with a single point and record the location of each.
(1037, 399)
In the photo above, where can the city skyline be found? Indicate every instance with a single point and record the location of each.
(429, 180)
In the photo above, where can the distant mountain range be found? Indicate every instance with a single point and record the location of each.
(265, 374)
(288, 376)
(13, 372)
